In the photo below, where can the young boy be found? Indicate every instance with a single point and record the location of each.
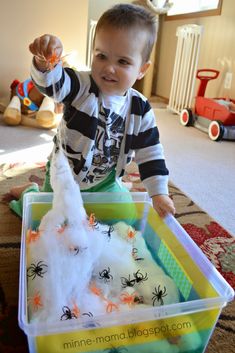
(105, 120)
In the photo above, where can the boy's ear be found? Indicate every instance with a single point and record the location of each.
(143, 70)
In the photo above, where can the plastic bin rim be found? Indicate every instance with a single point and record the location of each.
(157, 313)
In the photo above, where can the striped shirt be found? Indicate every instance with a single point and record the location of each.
(78, 131)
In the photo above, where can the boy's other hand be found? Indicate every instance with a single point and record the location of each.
(163, 204)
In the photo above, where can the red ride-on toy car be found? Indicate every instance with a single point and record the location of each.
(216, 116)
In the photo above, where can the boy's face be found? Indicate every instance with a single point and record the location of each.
(117, 59)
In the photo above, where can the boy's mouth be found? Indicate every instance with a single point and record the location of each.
(108, 79)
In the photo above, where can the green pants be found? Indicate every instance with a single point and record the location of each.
(110, 184)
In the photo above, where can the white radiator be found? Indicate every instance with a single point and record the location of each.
(90, 43)
(185, 67)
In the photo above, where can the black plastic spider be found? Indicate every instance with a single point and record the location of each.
(158, 294)
(38, 269)
(109, 231)
(105, 274)
(67, 314)
(76, 249)
(90, 324)
(139, 277)
(89, 314)
(139, 299)
(118, 349)
(96, 225)
(127, 282)
(135, 255)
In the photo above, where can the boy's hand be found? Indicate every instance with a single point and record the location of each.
(47, 51)
(163, 204)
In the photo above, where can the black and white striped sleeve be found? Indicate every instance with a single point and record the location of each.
(59, 83)
(149, 154)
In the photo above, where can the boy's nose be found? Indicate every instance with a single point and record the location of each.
(110, 69)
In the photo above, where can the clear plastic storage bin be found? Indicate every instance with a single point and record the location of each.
(181, 327)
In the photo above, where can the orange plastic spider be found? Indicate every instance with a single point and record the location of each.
(131, 234)
(75, 310)
(62, 227)
(95, 290)
(32, 235)
(174, 340)
(128, 299)
(111, 306)
(92, 221)
(36, 301)
(53, 60)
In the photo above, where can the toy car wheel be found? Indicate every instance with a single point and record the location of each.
(216, 131)
(186, 117)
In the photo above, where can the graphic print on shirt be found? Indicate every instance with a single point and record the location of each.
(108, 140)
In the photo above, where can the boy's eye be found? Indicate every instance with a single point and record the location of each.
(123, 62)
(101, 56)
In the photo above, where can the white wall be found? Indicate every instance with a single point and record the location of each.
(97, 7)
(24, 20)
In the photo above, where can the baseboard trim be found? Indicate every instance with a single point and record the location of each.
(155, 98)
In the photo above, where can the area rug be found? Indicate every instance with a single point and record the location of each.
(216, 243)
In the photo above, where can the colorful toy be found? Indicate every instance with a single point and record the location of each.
(216, 116)
(30, 108)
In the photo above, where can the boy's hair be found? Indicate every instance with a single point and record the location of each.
(124, 16)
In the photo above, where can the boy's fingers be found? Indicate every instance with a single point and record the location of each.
(32, 49)
(172, 210)
(161, 212)
(164, 211)
(46, 46)
(55, 47)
